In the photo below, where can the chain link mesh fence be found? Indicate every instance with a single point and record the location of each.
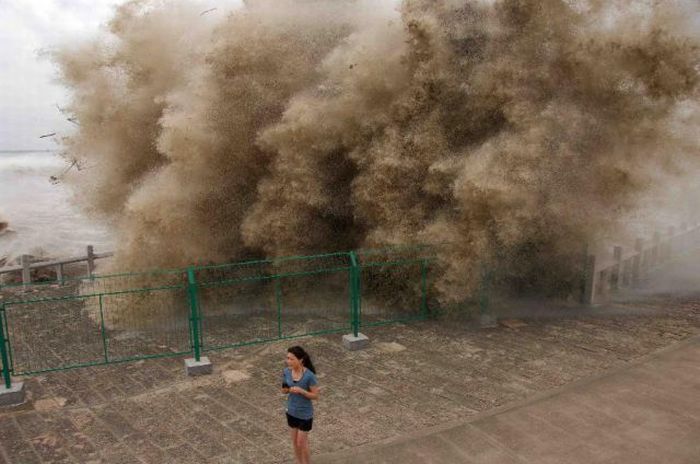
(123, 317)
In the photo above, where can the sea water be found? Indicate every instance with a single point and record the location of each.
(42, 219)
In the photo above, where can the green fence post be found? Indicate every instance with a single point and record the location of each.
(103, 332)
(584, 274)
(358, 300)
(278, 299)
(484, 292)
(9, 345)
(3, 350)
(351, 284)
(424, 288)
(355, 292)
(192, 292)
(485, 316)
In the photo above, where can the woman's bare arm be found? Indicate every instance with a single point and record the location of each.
(312, 394)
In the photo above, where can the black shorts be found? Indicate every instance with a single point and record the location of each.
(302, 424)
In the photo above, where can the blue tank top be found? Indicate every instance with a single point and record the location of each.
(299, 406)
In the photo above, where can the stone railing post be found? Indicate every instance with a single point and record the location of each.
(637, 262)
(25, 261)
(668, 249)
(59, 273)
(90, 260)
(589, 281)
(616, 270)
(655, 250)
(626, 273)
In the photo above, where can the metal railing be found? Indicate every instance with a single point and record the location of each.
(605, 276)
(27, 264)
(98, 320)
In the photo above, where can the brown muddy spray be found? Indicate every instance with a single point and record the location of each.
(502, 128)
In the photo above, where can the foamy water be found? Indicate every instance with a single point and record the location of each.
(42, 220)
(510, 128)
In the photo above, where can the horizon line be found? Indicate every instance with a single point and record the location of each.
(24, 150)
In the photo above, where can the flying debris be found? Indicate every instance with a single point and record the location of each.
(72, 119)
(74, 163)
(47, 135)
(207, 11)
(57, 179)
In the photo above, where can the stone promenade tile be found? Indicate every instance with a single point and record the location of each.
(160, 429)
(143, 447)
(526, 436)
(49, 443)
(61, 390)
(120, 453)
(98, 433)
(15, 445)
(149, 412)
(203, 440)
(609, 419)
(474, 446)
(78, 443)
(118, 424)
(248, 428)
(91, 397)
(184, 453)
(228, 438)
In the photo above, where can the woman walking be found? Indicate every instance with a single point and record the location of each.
(300, 385)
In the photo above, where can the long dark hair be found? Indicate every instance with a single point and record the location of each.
(303, 356)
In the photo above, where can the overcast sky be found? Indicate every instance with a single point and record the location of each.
(28, 94)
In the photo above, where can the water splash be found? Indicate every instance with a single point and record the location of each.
(510, 128)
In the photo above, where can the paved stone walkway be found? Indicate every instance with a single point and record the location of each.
(150, 412)
(645, 413)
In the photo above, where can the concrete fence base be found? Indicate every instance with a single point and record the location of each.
(353, 343)
(13, 395)
(201, 367)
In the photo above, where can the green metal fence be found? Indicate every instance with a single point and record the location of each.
(125, 317)
(254, 302)
(99, 320)
(392, 285)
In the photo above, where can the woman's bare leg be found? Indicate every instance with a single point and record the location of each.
(303, 445)
(295, 440)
